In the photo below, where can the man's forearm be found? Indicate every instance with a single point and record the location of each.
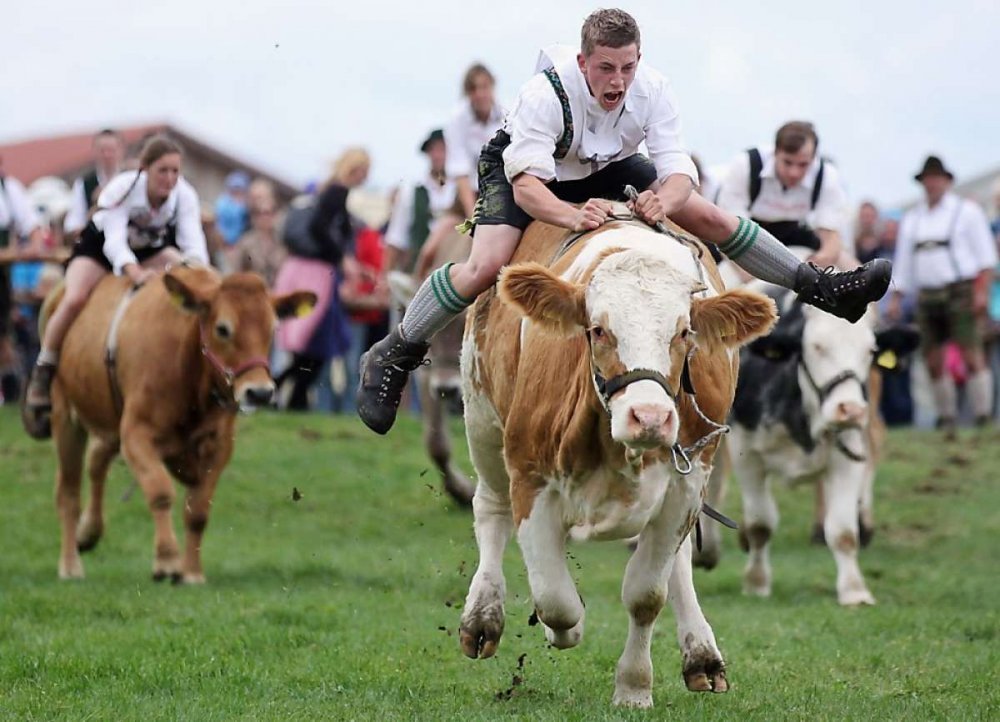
(535, 199)
(674, 192)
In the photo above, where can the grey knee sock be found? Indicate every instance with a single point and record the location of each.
(980, 388)
(434, 305)
(758, 252)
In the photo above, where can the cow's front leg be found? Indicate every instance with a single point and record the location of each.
(760, 518)
(144, 460)
(644, 589)
(541, 534)
(704, 670)
(842, 489)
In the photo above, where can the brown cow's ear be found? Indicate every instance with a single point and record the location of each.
(554, 304)
(298, 303)
(732, 318)
(190, 292)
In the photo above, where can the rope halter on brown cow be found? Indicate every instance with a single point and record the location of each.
(229, 374)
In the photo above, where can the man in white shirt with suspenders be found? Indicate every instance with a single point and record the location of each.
(791, 192)
(573, 138)
(946, 254)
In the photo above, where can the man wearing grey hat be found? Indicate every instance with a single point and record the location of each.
(946, 255)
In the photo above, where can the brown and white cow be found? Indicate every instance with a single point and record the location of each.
(190, 349)
(566, 439)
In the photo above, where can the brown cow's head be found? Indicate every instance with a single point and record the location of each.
(638, 312)
(236, 316)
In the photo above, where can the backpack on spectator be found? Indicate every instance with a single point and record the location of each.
(296, 235)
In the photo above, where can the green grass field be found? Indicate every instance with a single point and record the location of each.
(345, 604)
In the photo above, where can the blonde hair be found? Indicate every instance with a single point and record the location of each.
(350, 160)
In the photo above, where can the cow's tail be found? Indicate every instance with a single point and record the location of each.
(49, 305)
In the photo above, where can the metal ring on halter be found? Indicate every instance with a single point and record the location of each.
(678, 450)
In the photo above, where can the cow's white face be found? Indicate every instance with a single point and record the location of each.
(831, 346)
(638, 313)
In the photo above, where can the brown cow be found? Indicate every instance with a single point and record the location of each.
(189, 350)
(577, 426)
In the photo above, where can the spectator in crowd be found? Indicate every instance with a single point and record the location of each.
(20, 233)
(109, 157)
(946, 255)
(260, 249)
(867, 243)
(261, 193)
(791, 191)
(316, 249)
(232, 216)
(419, 206)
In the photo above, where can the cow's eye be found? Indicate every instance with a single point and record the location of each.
(684, 334)
(224, 331)
(597, 333)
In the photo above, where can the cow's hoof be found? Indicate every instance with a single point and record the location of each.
(706, 674)
(479, 633)
(757, 582)
(856, 598)
(564, 638)
(865, 535)
(71, 570)
(187, 578)
(87, 536)
(707, 558)
(160, 575)
(637, 698)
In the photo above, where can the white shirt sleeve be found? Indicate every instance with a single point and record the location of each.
(114, 224)
(76, 216)
(456, 141)
(831, 206)
(534, 126)
(23, 214)
(734, 190)
(977, 229)
(190, 234)
(397, 234)
(902, 261)
(663, 136)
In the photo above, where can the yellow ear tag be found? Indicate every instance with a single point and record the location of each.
(887, 359)
(177, 299)
(303, 309)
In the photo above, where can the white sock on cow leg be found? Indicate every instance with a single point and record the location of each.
(433, 307)
(945, 397)
(758, 252)
(48, 357)
(980, 388)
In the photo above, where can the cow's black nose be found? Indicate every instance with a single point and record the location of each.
(258, 395)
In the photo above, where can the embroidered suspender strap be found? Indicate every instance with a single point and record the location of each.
(756, 168)
(566, 140)
(817, 186)
(945, 243)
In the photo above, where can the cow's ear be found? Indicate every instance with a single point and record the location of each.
(897, 342)
(554, 304)
(191, 290)
(732, 318)
(776, 346)
(297, 303)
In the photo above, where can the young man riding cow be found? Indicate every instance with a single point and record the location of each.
(573, 138)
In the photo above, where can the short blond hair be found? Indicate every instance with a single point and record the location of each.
(612, 28)
(351, 159)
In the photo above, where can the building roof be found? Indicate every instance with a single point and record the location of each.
(66, 156)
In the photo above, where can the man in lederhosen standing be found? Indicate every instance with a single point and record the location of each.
(946, 255)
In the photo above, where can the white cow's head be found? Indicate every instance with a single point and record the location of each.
(638, 313)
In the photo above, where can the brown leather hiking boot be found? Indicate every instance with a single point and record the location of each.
(36, 409)
(385, 367)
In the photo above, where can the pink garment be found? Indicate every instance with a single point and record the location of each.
(303, 274)
(954, 364)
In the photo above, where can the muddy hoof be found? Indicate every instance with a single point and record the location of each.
(159, 576)
(480, 636)
(706, 676)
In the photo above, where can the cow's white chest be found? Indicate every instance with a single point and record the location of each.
(780, 453)
(613, 504)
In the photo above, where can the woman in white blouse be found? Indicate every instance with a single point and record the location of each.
(146, 219)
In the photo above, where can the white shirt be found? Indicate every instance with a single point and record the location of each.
(79, 209)
(465, 136)
(777, 203)
(16, 211)
(972, 248)
(442, 198)
(129, 223)
(648, 114)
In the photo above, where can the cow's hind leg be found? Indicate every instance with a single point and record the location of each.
(71, 443)
(644, 589)
(144, 460)
(541, 535)
(438, 442)
(100, 454)
(483, 614)
(704, 670)
(760, 518)
(711, 532)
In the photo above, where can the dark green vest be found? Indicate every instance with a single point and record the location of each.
(90, 184)
(420, 225)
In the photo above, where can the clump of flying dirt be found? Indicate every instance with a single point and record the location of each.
(516, 680)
